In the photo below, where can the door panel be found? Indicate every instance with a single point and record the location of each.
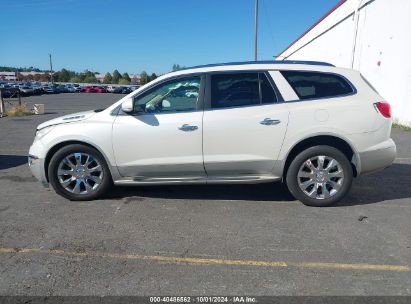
(163, 139)
(243, 141)
(152, 145)
(245, 126)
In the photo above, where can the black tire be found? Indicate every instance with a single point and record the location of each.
(57, 158)
(294, 168)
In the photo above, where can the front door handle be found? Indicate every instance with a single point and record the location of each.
(270, 122)
(187, 128)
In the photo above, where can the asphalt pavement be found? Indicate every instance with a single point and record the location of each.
(197, 240)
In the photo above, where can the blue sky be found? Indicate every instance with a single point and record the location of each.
(151, 35)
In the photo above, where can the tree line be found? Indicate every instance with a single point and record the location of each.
(87, 76)
(25, 69)
(60, 76)
(90, 77)
(70, 76)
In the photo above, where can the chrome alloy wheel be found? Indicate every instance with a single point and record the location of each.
(320, 177)
(80, 173)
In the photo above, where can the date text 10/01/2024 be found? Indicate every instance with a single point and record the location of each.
(203, 299)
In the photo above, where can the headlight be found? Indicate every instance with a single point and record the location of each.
(41, 133)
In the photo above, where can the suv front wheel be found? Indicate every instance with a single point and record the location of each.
(319, 176)
(79, 173)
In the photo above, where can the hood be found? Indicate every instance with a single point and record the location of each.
(66, 119)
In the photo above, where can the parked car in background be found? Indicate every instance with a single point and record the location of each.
(111, 88)
(26, 90)
(122, 90)
(9, 91)
(310, 124)
(93, 89)
(88, 90)
(100, 89)
(37, 89)
(77, 87)
(48, 89)
(127, 90)
(63, 88)
(71, 89)
(186, 91)
(117, 90)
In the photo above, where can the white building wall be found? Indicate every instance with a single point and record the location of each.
(11, 76)
(380, 51)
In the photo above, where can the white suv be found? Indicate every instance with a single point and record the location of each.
(309, 124)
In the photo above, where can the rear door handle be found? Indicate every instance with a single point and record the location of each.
(270, 122)
(187, 128)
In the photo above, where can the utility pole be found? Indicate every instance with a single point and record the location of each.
(51, 69)
(256, 31)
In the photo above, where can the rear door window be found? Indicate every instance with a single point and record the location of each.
(241, 89)
(313, 85)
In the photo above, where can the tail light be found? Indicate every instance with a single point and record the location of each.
(384, 108)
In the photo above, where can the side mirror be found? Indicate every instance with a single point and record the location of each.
(127, 105)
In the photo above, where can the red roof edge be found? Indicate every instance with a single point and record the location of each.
(341, 2)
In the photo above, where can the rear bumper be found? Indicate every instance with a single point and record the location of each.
(378, 157)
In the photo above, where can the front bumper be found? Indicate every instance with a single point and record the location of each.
(378, 157)
(36, 165)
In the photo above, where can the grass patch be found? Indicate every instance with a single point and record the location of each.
(401, 127)
(18, 111)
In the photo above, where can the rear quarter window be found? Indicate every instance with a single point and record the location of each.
(313, 85)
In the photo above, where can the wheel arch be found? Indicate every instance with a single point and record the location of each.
(325, 140)
(62, 144)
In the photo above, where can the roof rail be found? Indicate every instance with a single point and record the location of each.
(261, 62)
(323, 63)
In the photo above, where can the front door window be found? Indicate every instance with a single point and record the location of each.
(180, 95)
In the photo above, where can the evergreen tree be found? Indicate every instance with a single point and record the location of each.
(143, 78)
(126, 77)
(108, 78)
(116, 77)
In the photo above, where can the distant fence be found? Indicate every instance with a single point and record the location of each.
(12, 95)
(98, 84)
(84, 84)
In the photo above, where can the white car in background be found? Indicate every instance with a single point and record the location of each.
(26, 90)
(71, 88)
(111, 88)
(309, 124)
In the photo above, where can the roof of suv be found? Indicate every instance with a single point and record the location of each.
(259, 65)
(319, 63)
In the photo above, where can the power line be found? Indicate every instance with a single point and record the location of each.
(269, 25)
(51, 69)
(256, 31)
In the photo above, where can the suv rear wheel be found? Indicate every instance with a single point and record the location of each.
(79, 173)
(319, 176)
